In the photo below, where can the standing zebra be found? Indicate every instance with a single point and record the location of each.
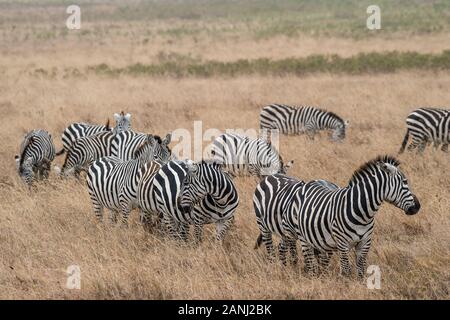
(304, 119)
(275, 197)
(78, 130)
(37, 151)
(190, 193)
(427, 125)
(340, 219)
(244, 156)
(86, 150)
(113, 183)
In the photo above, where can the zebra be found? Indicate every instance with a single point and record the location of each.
(85, 151)
(302, 119)
(78, 130)
(37, 151)
(427, 125)
(113, 182)
(186, 193)
(274, 198)
(340, 219)
(243, 156)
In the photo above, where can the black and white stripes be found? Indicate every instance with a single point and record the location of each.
(427, 125)
(113, 182)
(303, 119)
(186, 193)
(244, 156)
(37, 151)
(78, 130)
(340, 219)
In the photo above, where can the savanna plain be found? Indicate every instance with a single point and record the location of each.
(128, 56)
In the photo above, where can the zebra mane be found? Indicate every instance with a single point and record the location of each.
(334, 115)
(373, 163)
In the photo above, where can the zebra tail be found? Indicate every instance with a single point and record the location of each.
(405, 141)
(60, 152)
(258, 241)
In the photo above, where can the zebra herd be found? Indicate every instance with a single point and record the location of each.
(127, 169)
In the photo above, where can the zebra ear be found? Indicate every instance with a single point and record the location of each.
(167, 139)
(192, 168)
(388, 168)
(289, 164)
(17, 158)
(127, 116)
(346, 123)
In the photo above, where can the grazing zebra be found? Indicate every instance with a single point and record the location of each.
(113, 182)
(78, 130)
(340, 219)
(37, 151)
(304, 119)
(127, 142)
(190, 193)
(85, 151)
(244, 156)
(427, 125)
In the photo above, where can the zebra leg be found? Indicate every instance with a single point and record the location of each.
(125, 209)
(183, 231)
(222, 228)
(445, 147)
(310, 261)
(169, 222)
(113, 217)
(198, 232)
(293, 251)
(361, 257)
(282, 248)
(324, 261)
(98, 208)
(345, 263)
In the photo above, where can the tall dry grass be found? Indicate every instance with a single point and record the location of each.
(44, 231)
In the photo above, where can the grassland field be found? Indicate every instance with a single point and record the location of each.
(170, 63)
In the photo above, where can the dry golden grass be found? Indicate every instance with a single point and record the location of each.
(45, 231)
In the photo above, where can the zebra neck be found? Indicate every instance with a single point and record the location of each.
(364, 198)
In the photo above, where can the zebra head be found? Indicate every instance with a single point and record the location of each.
(396, 187)
(123, 122)
(162, 151)
(153, 148)
(26, 170)
(338, 133)
(285, 167)
(201, 179)
(74, 159)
